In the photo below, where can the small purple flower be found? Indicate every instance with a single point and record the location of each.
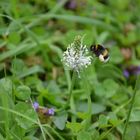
(137, 70)
(50, 112)
(35, 105)
(126, 73)
(71, 4)
(131, 70)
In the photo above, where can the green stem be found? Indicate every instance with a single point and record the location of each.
(5, 103)
(39, 123)
(54, 131)
(70, 101)
(88, 99)
(71, 97)
(6, 114)
(89, 105)
(129, 112)
(72, 85)
(14, 8)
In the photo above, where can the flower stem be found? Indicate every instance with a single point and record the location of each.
(89, 102)
(130, 109)
(70, 101)
(71, 98)
(72, 85)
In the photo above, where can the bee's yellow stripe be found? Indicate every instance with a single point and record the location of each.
(96, 47)
(105, 52)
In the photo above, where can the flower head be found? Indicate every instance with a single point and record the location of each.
(71, 4)
(136, 70)
(131, 70)
(126, 73)
(76, 56)
(35, 105)
(50, 112)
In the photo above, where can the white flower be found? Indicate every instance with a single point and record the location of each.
(76, 57)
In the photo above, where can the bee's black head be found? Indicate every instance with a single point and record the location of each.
(92, 48)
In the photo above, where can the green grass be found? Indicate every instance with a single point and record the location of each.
(102, 104)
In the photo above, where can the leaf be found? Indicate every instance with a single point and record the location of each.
(137, 99)
(30, 138)
(106, 89)
(131, 38)
(53, 87)
(6, 86)
(95, 134)
(82, 115)
(23, 92)
(74, 126)
(96, 108)
(83, 135)
(51, 98)
(52, 94)
(18, 66)
(103, 121)
(60, 120)
(135, 116)
(113, 119)
(137, 86)
(32, 70)
(103, 36)
(115, 55)
(110, 87)
(83, 20)
(138, 50)
(1, 137)
(27, 111)
(118, 4)
(14, 38)
(133, 131)
(109, 71)
(17, 51)
(17, 131)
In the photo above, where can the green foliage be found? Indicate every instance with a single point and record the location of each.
(23, 92)
(74, 126)
(96, 108)
(6, 86)
(117, 57)
(60, 120)
(106, 89)
(33, 36)
(27, 111)
(84, 136)
(103, 121)
(14, 38)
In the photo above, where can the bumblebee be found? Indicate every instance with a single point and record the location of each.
(101, 52)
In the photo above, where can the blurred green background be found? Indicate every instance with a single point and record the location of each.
(33, 36)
